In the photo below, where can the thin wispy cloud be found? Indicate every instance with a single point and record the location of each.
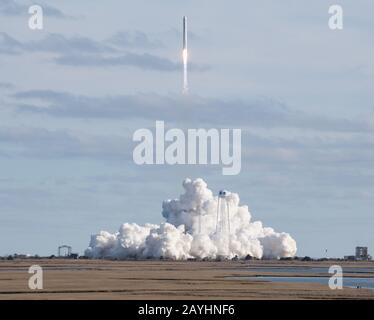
(16, 8)
(6, 85)
(9, 45)
(144, 61)
(81, 51)
(53, 43)
(265, 113)
(44, 143)
(135, 39)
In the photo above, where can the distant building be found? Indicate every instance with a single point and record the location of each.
(362, 253)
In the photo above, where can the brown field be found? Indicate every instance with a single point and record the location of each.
(99, 279)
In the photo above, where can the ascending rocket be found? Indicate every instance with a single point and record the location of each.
(184, 33)
(185, 56)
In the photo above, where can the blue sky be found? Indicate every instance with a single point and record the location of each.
(72, 94)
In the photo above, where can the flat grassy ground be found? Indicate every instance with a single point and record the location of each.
(100, 279)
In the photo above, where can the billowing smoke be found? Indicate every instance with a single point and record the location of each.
(191, 231)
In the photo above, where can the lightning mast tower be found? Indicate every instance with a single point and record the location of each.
(223, 220)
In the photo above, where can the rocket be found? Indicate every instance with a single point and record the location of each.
(185, 56)
(184, 33)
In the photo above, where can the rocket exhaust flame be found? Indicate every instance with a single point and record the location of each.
(185, 56)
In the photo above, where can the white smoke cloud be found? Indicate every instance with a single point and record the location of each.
(191, 231)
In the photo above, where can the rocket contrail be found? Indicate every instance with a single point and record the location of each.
(185, 56)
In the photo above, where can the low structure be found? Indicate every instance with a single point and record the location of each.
(68, 252)
(361, 254)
